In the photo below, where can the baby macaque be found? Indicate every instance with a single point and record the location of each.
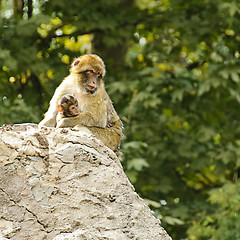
(67, 107)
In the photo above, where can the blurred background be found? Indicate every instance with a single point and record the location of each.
(173, 75)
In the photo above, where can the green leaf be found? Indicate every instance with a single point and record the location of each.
(172, 221)
(226, 157)
(137, 164)
(204, 87)
(152, 203)
(178, 95)
(235, 76)
(205, 133)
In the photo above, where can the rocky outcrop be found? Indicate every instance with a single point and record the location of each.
(64, 184)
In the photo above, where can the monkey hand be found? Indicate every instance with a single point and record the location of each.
(110, 124)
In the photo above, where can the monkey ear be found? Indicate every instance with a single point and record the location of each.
(76, 62)
(60, 108)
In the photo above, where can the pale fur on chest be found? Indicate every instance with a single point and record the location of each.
(88, 102)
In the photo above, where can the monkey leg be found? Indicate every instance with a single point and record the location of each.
(108, 136)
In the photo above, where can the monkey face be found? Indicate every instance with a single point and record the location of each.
(90, 70)
(73, 110)
(68, 106)
(91, 80)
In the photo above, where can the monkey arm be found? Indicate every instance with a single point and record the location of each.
(50, 116)
(85, 119)
(114, 123)
(68, 122)
(48, 122)
(110, 136)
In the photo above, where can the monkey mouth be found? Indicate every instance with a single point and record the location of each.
(91, 88)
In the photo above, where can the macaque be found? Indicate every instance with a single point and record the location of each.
(96, 112)
(67, 107)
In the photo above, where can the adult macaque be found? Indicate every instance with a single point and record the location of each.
(85, 83)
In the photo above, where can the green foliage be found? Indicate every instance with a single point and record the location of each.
(224, 221)
(173, 75)
(20, 112)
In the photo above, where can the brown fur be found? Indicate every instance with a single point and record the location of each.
(96, 109)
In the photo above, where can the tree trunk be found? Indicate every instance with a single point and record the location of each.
(114, 54)
(18, 7)
(30, 8)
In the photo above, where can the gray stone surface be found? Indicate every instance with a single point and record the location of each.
(63, 184)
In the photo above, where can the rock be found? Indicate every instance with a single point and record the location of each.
(63, 184)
